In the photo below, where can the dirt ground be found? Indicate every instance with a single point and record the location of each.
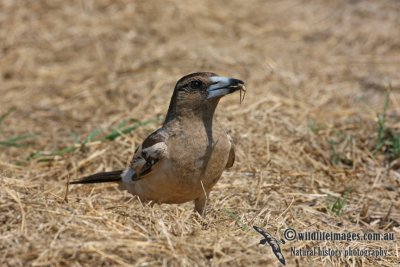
(310, 153)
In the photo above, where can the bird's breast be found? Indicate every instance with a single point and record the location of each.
(200, 155)
(196, 159)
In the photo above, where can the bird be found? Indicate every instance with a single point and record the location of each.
(184, 159)
(272, 242)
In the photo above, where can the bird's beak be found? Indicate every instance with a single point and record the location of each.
(221, 86)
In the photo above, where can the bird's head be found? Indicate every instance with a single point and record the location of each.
(200, 92)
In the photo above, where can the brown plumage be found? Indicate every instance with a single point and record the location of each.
(185, 158)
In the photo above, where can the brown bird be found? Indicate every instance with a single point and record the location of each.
(185, 158)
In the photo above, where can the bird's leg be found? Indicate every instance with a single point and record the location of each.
(200, 203)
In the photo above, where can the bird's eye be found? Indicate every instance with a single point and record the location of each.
(195, 84)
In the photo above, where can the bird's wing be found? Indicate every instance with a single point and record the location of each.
(146, 156)
(149, 154)
(263, 232)
(277, 251)
(273, 242)
(231, 158)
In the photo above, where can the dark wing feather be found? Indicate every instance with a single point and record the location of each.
(154, 138)
(152, 150)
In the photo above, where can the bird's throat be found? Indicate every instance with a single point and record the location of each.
(203, 111)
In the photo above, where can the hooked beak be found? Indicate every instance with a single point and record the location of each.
(223, 85)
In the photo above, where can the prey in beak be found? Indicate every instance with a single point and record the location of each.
(221, 86)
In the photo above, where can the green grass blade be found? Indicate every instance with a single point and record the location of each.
(63, 151)
(5, 115)
(15, 141)
(118, 132)
(339, 204)
(234, 216)
(75, 137)
(92, 136)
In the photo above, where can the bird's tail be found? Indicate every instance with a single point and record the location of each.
(101, 177)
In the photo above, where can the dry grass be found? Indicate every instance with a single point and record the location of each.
(316, 73)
